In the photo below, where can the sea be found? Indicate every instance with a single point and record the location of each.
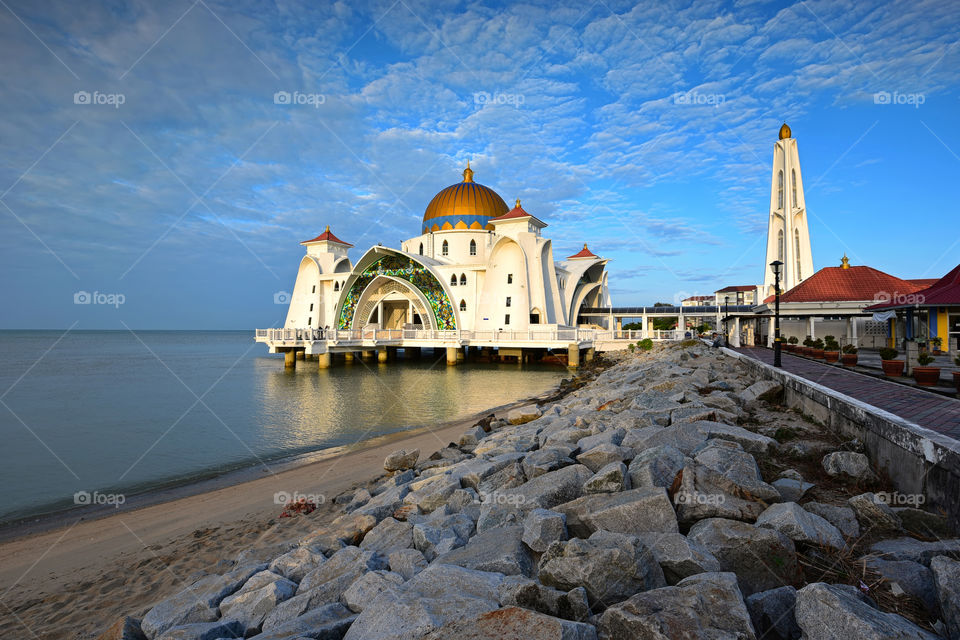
(90, 416)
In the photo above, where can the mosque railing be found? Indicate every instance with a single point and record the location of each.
(494, 336)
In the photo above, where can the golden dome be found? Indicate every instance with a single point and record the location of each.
(785, 132)
(465, 205)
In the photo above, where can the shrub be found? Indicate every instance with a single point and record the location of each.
(631, 347)
(924, 359)
(793, 339)
(817, 344)
(807, 342)
(888, 353)
(831, 344)
(849, 349)
(646, 344)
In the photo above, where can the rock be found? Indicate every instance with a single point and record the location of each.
(359, 498)
(610, 436)
(610, 566)
(407, 562)
(530, 594)
(791, 490)
(367, 587)
(708, 605)
(471, 437)
(849, 464)
(295, 564)
(602, 455)
(388, 536)
(910, 577)
(340, 570)
(544, 491)
(327, 622)
(828, 611)
(685, 436)
(442, 535)
(609, 479)
(930, 525)
(678, 556)
(204, 631)
(537, 463)
(799, 525)
(430, 493)
(630, 512)
(915, 550)
(498, 550)
(400, 460)
(873, 513)
(123, 629)
(439, 595)
(513, 622)
(772, 613)
(705, 493)
(843, 518)
(754, 443)
(763, 559)
(385, 503)
(346, 530)
(656, 467)
(196, 603)
(523, 415)
(541, 527)
(258, 597)
(754, 392)
(946, 579)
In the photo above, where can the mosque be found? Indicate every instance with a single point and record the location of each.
(477, 266)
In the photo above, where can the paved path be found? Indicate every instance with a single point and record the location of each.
(929, 410)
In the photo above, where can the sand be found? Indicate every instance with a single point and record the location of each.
(75, 579)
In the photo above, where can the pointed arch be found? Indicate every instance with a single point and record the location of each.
(780, 190)
(463, 279)
(336, 285)
(796, 250)
(445, 248)
(463, 305)
(453, 279)
(793, 180)
(473, 247)
(421, 248)
(780, 245)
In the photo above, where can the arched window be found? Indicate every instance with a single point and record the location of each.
(463, 305)
(780, 190)
(336, 286)
(796, 250)
(421, 248)
(463, 279)
(473, 247)
(446, 248)
(453, 280)
(793, 179)
(780, 246)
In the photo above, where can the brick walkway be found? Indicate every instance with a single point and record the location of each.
(935, 412)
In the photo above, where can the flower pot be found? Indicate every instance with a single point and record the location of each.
(893, 368)
(831, 356)
(848, 359)
(926, 376)
(817, 353)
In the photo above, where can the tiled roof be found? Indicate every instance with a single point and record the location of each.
(517, 212)
(836, 284)
(691, 298)
(944, 292)
(583, 253)
(745, 287)
(327, 236)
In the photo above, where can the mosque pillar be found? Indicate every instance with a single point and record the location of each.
(290, 359)
(573, 355)
(644, 328)
(452, 355)
(736, 332)
(811, 327)
(368, 355)
(324, 360)
(382, 355)
(588, 356)
(619, 325)
(853, 332)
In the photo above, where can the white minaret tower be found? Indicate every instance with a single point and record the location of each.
(788, 237)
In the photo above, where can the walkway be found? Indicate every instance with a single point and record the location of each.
(935, 412)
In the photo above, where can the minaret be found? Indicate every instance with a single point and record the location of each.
(788, 238)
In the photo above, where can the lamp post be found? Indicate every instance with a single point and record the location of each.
(726, 320)
(776, 264)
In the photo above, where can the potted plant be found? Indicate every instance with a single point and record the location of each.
(935, 343)
(956, 375)
(817, 349)
(926, 376)
(848, 357)
(807, 346)
(792, 343)
(831, 349)
(891, 367)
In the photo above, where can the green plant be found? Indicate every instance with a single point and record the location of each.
(793, 339)
(849, 349)
(888, 353)
(924, 358)
(936, 341)
(830, 344)
(829, 338)
(817, 344)
(807, 342)
(646, 344)
(631, 347)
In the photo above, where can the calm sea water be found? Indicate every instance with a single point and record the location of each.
(121, 412)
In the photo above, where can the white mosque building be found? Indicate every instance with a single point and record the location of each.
(477, 266)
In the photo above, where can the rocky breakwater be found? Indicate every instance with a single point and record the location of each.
(670, 497)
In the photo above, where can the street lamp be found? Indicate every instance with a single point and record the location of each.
(726, 319)
(776, 264)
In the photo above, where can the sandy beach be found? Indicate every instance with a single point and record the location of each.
(71, 577)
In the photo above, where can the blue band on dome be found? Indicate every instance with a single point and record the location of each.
(439, 221)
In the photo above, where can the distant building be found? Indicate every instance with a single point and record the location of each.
(739, 295)
(697, 301)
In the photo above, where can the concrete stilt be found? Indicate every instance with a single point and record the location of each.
(368, 355)
(382, 355)
(460, 355)
(452, 355)
(588, 356)
(290, 359)
(324, 360)
(300, 354)
(348, 356)
(573, 355)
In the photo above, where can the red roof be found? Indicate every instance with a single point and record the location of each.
(328, 237)
(922, 282)
(697, 298)
(944, 292)
(744, 287)
(584, 253)
(836, 284)
(517, 212)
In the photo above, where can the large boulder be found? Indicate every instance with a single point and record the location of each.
(204, 631)
(498, 550)
(437, 596)
(630, 512)
(906, 576)
(753, 442)
(608, 479)
(757, 391)
(530, 594)
(125, 628)
(541, 527)
(772, 614)
(849, 464)
(388, 536)
(294, 565)
(915, 550)
(256, 598)
(874, 513)
(536, 463)
(346, 530)
(369, 586)
(544, 491)
(341, 569)
(799, 525)
(610, 566)
(706, 493)
(656, 466)
(513, 622)
(326, 622)
(678, 556)
(843, 518)
(400, 460)
(440, 535)
(603, 454)
(708, 605)
(432, 492)
(946, 578)
(827, 611)
(762, 558)
(407, 562)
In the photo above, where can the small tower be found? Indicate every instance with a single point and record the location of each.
(788, 237)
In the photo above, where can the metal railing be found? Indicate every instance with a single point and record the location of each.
(554, 335)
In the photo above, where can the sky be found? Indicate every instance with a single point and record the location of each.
(166, 158)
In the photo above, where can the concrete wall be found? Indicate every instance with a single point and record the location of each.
(918, 460)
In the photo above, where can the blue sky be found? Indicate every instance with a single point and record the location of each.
(646, 130)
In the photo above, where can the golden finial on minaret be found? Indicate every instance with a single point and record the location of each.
(328, 229)
(785, 131)
(584, 246)
(518, 203)
(468, 173)
(845, 262)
